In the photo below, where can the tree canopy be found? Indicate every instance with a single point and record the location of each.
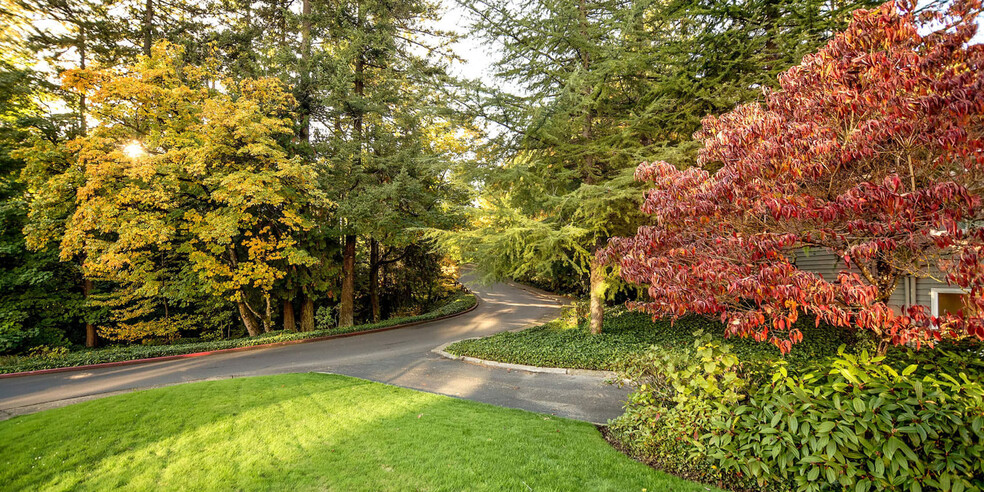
(871, 149)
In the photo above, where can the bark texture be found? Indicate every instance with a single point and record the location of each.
(307, 314)
(289, 323)
(346, 306)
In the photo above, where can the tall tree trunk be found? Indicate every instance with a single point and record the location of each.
(591, 175)
(289, 323)
(374, 278)
(90, 329)
(346, 307)
(148, 27)
(597, 293)
(307, 314)
(304, 91)
(252, 325)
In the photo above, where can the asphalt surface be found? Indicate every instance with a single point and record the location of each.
(401, 357)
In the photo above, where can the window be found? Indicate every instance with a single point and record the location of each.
(948, 300)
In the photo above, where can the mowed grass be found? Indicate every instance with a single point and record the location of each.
(309, 431)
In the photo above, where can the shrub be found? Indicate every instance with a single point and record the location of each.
(861, 425)
(677, 393)
(46, 352)
(913, 421)
(324, 319)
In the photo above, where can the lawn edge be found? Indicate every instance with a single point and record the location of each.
(166, 358)
(520, 367)
(560, 299)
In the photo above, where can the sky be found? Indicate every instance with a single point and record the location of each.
(479, 56)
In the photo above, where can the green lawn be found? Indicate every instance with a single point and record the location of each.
(309, 432)
(560, 343)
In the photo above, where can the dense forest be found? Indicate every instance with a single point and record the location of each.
(178, 168)
(186, 169)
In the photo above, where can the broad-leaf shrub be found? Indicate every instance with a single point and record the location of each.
(677, 394)
(862, 425)
(856, 423)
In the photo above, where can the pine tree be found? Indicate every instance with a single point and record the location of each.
(605, 85)
(381, 78)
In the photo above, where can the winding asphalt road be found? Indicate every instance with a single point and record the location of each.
(401, 357)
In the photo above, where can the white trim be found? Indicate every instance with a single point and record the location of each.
(934, 297)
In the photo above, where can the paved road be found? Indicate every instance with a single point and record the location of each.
(402, 357)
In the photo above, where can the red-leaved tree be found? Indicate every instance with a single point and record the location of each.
(872, 148)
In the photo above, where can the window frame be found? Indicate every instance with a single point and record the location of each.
(934, 297)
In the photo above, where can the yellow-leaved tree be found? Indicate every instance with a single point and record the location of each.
(188, 191)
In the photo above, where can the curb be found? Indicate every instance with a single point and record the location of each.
(520, 367)
(234, 349)
(559, 299)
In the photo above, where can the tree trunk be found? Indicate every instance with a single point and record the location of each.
(252, 326)
(597, 294)
(90, 329)
(289, 323)
(307, 314)
(374, 278)
(304, 101)
(148, 27)
(591, 175)
(346, 307)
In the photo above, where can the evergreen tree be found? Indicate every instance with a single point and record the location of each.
(379, 96)
(605, 85)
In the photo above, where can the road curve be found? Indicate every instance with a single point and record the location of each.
(401, 357)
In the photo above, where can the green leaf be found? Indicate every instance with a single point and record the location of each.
(859, 405)
(891, 447)
(863, 485)
(825, 427)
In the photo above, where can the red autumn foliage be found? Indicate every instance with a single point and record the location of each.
(872, 148)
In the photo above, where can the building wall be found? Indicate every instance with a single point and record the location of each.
(827, 264)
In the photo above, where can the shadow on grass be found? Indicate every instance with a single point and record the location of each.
(309, 431)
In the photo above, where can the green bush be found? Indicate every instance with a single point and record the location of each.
(10, 364)
(861, 426)
(325, 318)
(46, 352)
(856, 423)
(677, 393)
